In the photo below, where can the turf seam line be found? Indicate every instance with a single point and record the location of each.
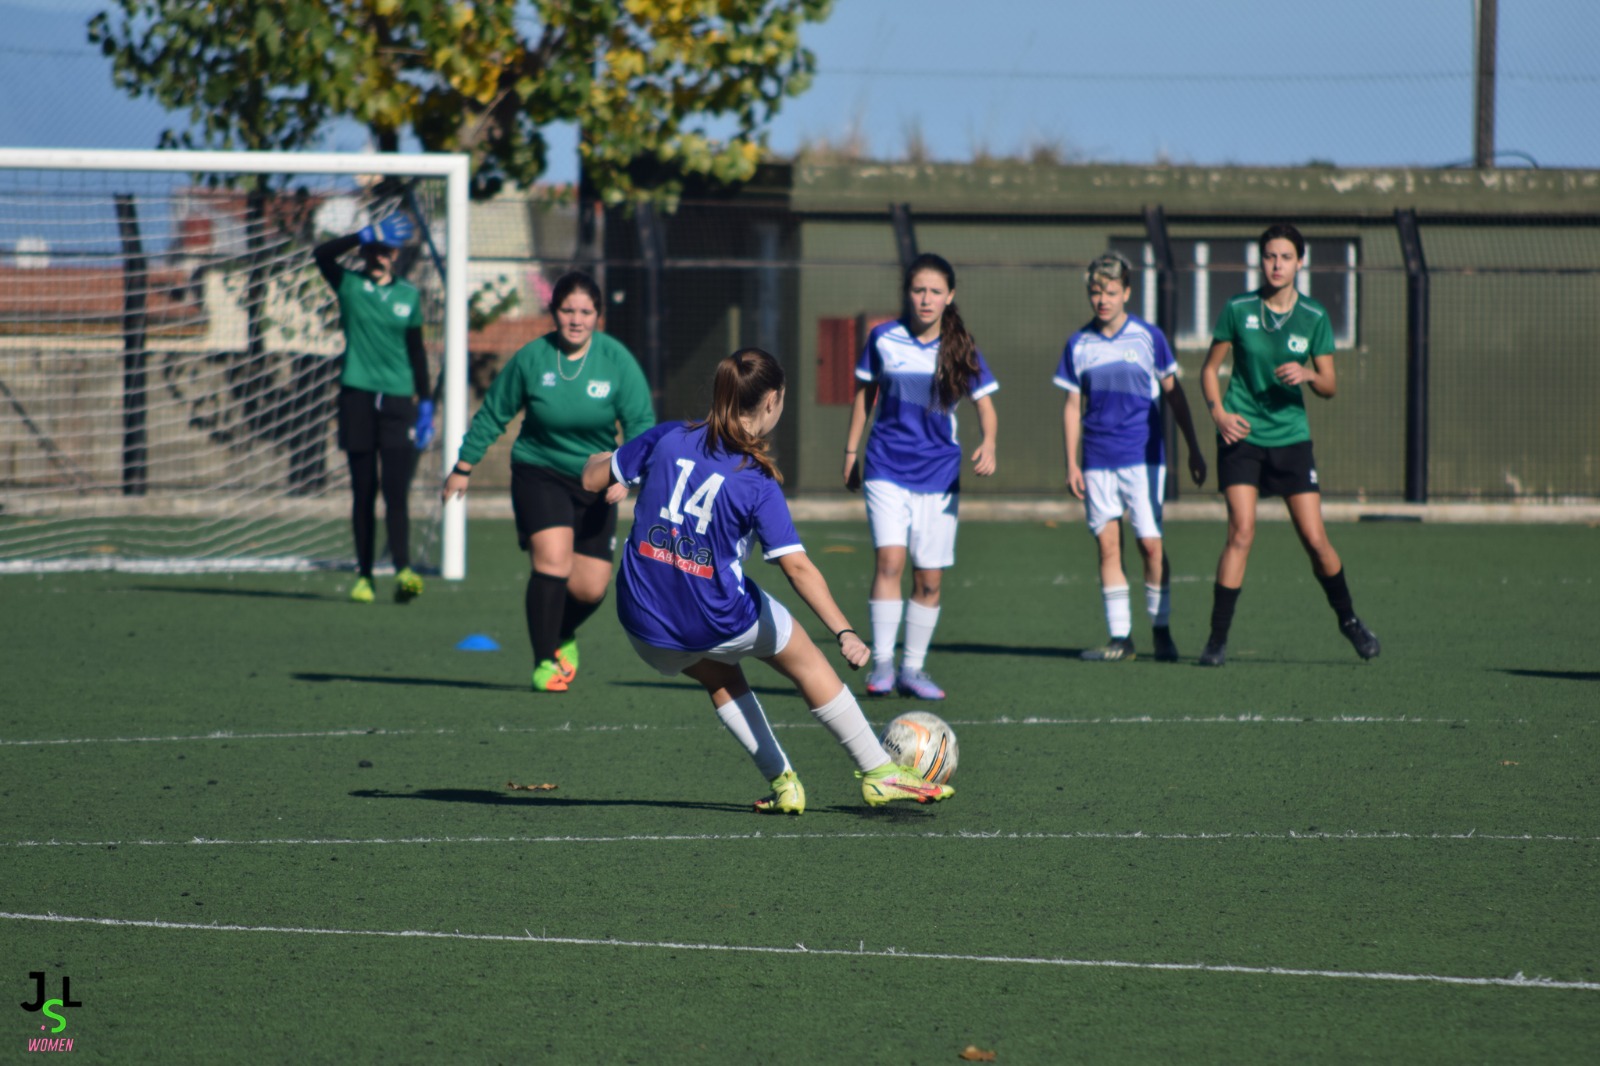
(703, 838)
(1517, 980)
(567, 727)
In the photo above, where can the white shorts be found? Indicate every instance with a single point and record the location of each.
(1137, 490)
(922, 522)
(766, 638)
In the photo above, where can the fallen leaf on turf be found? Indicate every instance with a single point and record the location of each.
(1508, 762)
(974, 1053)
(838, 549)
(513, 786)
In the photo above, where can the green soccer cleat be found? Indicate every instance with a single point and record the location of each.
(407, 585)
(890, 782)
(788, 796)
(549, 677)
(567, 659)
(361, 591)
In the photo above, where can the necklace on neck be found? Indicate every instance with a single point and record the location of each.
(563, 358)
(1272, 321)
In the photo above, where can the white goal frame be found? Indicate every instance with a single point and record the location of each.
(454, 169)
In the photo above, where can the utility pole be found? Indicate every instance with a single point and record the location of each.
(1483, 97)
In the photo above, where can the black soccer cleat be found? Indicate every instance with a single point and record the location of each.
(1364, 640)
(1166, 649)
(1119, 650)
(1215, 653)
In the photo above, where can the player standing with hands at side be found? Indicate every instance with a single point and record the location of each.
(1119, 367)
(916, 370)
(385, 402)
(707, 491)
(1280, 340)
(576, 387)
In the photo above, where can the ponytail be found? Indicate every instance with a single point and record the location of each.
(957, 371)
(742, 381)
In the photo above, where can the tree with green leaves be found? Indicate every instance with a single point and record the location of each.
(661, 90)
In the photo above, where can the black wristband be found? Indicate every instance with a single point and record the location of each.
(457, 470)
(839, 636)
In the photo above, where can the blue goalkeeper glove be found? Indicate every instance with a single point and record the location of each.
(393, 231)
(422, 433)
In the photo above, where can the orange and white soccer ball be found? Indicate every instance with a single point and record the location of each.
(923, 741)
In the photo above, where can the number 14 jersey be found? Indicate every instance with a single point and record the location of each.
(681, 582)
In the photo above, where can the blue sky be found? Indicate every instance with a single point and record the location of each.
(1262, 82)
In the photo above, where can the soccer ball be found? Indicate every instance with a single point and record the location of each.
(923, 741)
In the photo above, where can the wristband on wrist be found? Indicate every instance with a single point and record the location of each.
(839, 636)
(457, 470)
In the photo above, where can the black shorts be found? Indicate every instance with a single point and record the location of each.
(374, 421)
(544, 499)
(1287, 471)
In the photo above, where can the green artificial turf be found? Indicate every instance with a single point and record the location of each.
(270, 780)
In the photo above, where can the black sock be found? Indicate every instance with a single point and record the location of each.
(1223, 601)
(577, 612)
(1338, 594)
(543, 604)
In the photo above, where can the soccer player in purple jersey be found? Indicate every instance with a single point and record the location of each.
(1115, 371)
(707, 490)
(916, 370)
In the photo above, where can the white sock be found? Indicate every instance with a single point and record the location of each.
(1119, 616)
(920, 621)
(748, 724)
(842, 717)
(885, 615)
(1158, 601)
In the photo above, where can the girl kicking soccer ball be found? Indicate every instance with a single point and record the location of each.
(706, 490)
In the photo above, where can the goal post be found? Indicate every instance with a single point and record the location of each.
(169, 355)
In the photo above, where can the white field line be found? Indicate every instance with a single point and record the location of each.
(569, 727)
(705, 838)
(1517, 980)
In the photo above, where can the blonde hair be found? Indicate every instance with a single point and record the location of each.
(1112, 266)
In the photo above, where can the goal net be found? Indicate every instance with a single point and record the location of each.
(170, 356)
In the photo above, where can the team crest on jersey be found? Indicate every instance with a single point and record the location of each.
(402, 310)
(1299, 345)
(1252, 322)
(549, 379)
(599, 389)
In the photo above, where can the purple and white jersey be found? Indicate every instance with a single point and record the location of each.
(681, 584)
(913, 441)
(1120, 379)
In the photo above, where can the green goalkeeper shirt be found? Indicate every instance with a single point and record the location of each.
(571, 407)
(375, 319)
(1276, 412)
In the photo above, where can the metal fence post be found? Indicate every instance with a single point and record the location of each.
(653, 252)
(1155, 226)
(905, 234)
(1405, 220)
(135, 397)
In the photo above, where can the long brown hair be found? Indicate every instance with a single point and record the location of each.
(958, 352)
(742, 381)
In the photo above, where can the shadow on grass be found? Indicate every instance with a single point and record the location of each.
(1558, 675)
(969, 648)
(433, 682)
(259, 594)
(516, 799)
(694, 686)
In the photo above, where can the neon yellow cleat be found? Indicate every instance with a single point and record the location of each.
(407, 585)
(567, 659)
(361, 591)
(788, 796)
(548, 677)
(890, 782)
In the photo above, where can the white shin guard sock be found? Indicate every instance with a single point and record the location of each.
(1158, 601)
(1119, 615)
(920, 623)
(885, 615)
(842, 717)
(748, 723)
